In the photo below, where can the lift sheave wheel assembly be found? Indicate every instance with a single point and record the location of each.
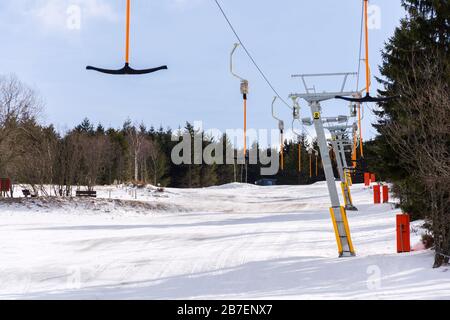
(127, 69)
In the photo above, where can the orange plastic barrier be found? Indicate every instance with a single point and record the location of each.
(385, 194)
(403, 233)
(367, 179)
(376, 194)
(5, 185)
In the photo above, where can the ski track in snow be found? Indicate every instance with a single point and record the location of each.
(229, 242)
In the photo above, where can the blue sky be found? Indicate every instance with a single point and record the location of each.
(192, 38)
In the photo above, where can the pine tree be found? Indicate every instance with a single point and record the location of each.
(191, 173)
(421, 39)
(85, 127)
(226, 171)
(254, 169)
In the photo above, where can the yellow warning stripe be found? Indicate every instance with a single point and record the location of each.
(348, 178)
(346, 194)
(347, 230)
(336, 231)
(350, 195)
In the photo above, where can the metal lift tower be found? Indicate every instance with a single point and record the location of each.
(338, 212)
(338, 143)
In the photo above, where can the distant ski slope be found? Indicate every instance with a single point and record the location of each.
(229, 242)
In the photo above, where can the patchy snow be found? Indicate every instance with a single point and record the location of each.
(230, 242)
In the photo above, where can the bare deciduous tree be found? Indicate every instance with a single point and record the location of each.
(94, 151)
(20, 106)
(157, 162)
(135, 139)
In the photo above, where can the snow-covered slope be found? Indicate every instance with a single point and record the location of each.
(229, 242)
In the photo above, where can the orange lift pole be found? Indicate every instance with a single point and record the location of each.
(127, 40)
(317, 163)
(367, 97)
(244, 92)
(245, 125)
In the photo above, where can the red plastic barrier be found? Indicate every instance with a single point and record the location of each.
(403, 233)
(385, 194)
(5, 185)
(376, 194)
(373, 178)
(367, 179)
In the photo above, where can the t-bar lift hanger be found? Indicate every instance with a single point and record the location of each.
(281, 128)
(368, 97)
(127, 69)
(296, 117)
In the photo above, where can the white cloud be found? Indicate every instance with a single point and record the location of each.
(98, 9)
(53, 14)
(183, 4)
(50, 14)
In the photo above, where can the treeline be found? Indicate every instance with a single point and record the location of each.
(89, 155)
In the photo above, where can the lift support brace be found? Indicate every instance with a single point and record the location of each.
(338, 212)
(338, 146)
